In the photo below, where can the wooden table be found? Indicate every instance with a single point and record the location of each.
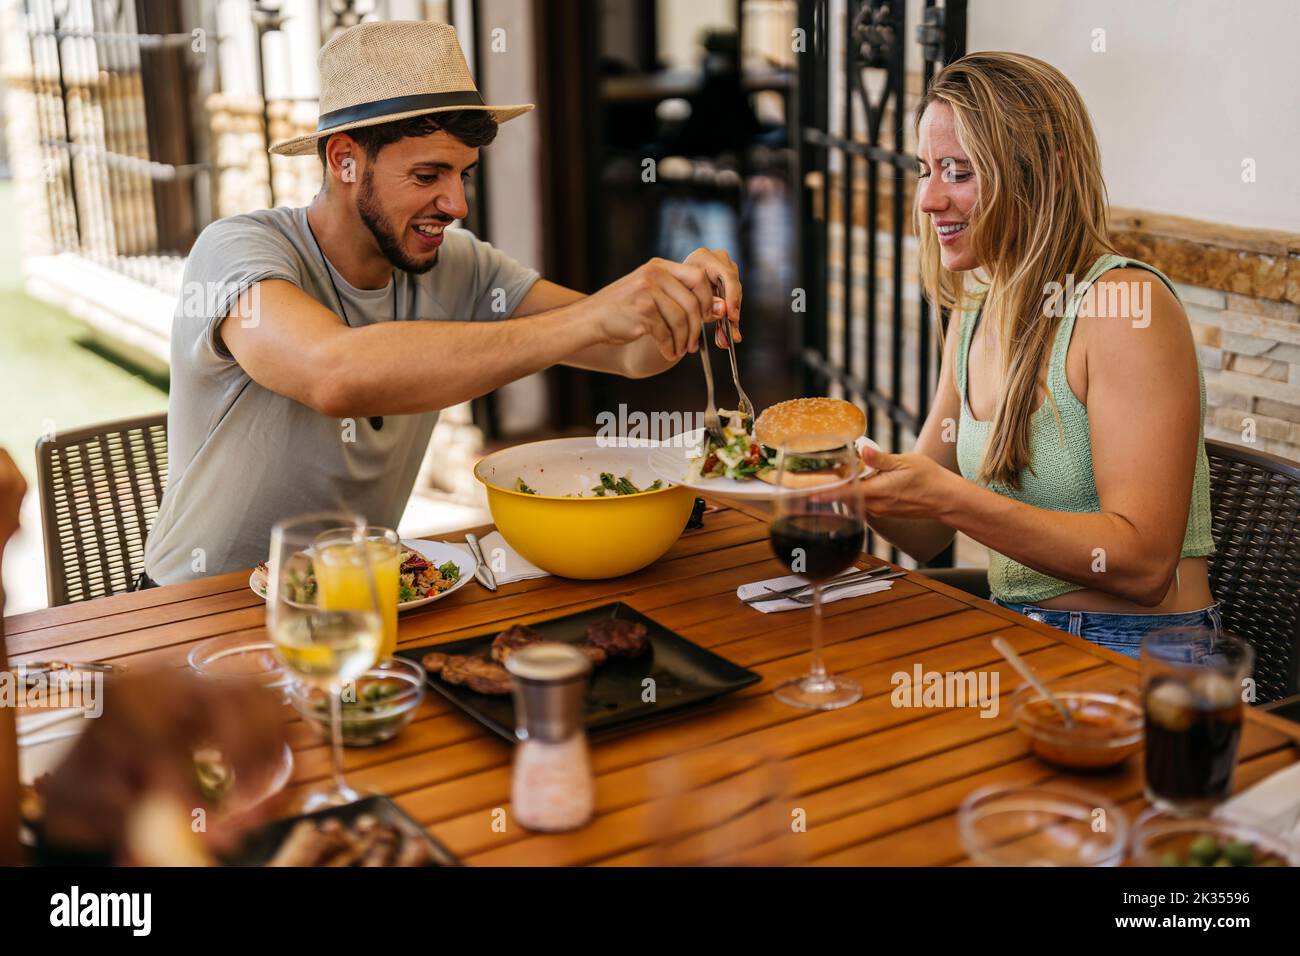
(879, 784)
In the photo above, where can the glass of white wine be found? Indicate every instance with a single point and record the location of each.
(325, 647)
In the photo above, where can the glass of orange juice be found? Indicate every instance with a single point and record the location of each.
(341, 580)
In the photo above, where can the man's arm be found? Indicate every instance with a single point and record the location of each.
(291, 344)
(642, 358)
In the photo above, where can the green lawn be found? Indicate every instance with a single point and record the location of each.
(51, 373)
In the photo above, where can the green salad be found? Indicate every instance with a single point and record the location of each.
(608, 485)
(740, 457)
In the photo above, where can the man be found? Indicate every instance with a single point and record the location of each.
(313, 348)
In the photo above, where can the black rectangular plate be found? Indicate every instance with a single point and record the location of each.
(684, 674)
(260, 846)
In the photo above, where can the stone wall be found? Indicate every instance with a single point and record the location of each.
(240, 158)
(1241, 289)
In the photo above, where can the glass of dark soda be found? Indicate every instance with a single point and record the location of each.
(1194, 684)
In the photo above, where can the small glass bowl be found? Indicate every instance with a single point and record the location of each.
(1041, 826)
(235, 658)
(386, 699)
(1108, 724)
(1163, 839)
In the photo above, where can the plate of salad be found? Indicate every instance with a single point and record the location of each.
(430, 570)
(740, 468)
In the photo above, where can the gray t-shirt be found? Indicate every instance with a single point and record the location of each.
(241, 457)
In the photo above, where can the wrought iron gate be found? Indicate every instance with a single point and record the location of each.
(873, 345)
(112, 85)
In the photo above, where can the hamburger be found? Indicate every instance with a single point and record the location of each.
(806, 425)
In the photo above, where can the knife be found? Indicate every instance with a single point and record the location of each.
(855, 575)
(482, 573)
(885, 574)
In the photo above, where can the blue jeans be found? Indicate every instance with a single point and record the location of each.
(1121, 633)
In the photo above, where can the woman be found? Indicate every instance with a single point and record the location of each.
(1067, 431)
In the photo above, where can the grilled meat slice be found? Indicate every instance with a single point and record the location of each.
(476, 673)
(618, 637)
(479, 675)
(512, 639)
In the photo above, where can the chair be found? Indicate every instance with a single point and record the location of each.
(100, 488)
(1255, 570)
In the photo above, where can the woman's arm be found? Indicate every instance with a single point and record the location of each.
(1143, 402)
(923, 537)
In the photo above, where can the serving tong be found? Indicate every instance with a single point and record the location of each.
(713, 421)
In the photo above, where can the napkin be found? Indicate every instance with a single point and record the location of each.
(790, 580)
(506, 564)
(1272, 805)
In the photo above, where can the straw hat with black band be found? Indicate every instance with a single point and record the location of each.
(391, 70)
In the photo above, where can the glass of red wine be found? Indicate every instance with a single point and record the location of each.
(818, 529)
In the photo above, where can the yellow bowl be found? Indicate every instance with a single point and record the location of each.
(589, 537)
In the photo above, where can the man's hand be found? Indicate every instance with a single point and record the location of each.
(143, 745)
(667, 301)
(718, 266)
(12, 489)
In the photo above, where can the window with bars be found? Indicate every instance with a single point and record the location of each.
(111, 85)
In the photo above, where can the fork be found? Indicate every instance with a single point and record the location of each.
(807, 599)
(745, 406)
(712, 422)
(855, 576)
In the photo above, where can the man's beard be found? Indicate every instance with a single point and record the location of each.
(389, 244)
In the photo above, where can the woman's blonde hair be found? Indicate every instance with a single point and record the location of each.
(1040, 216)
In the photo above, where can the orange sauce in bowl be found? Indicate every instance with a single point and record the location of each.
(1106, 731)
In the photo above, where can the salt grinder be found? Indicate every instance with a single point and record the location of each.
(552, 787)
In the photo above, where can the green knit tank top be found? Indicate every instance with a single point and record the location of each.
(1062, 478)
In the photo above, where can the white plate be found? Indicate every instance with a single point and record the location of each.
(435, 552)
(671, 461)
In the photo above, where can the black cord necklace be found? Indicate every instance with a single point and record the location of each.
(376, 421)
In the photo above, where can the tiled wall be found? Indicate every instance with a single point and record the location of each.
(1241, 289)
(1250, 351)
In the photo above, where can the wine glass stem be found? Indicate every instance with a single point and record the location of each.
(336, 737)
(817, 668)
